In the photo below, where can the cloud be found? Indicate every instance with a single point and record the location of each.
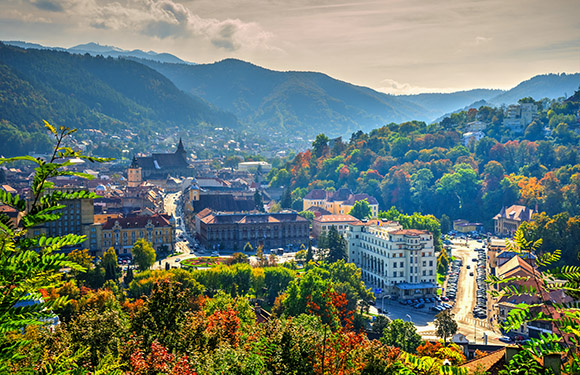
(390, 86)
(482, 40)
(51, 6)
(168, 19)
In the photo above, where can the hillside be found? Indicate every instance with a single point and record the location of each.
(91, 92)
(440, 103)
(550, 86)
(304, 103)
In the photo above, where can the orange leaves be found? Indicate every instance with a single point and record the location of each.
(429, 349)
(224, 326)
(159, 360)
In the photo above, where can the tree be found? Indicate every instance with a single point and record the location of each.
(308, 215)
(258, 201)
(379, 324)
(361, 210)
(320, 145)
(286, 200)
(402, 335)
(248, 248)
(239, 258)
(445, 224)
(128, 277)
(309, 252)
(336, 244)
(445, 325)
(143, 254)
(110, 264)
(24, 271)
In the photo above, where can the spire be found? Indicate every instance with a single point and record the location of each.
(134, 163)
(180, 148)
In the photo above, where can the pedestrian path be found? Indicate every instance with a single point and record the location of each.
(473, 321)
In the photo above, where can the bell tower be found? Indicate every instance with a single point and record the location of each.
(134, 174)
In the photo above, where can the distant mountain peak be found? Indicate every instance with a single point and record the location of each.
(96, 47)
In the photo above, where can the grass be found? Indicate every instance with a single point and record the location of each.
(203, 262)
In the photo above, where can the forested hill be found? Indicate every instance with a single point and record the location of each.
(551, 86)
(82, 91)
(297, 103)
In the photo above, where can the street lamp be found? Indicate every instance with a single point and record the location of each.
(409, 316)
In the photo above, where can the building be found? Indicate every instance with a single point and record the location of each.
(232, 230)
(159, 166)
(134, 177)
(401, 262)
(464, 226)
(475, 126)
(254, 166)
(122, 233)
(77, 217)
(339, 202)
(508, 220)
(472, 137)
(519, 116)
(340, 222)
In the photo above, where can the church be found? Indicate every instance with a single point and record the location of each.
(159, 166)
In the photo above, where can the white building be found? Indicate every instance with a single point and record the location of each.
(401, 262)
(519, 116)
(469, 136)
(252, 166)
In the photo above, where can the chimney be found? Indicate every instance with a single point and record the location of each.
(553, 361)
(510, 351)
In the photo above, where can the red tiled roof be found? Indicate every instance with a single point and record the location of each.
(515, 212)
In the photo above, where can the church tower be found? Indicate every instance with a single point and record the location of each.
(134, 174)
(181, 150)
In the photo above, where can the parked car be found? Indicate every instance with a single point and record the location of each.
(419, 305)
(505, 339)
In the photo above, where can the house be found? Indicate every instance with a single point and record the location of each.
(471, 137)
(464, 226)
(162, 164)
(508, 220)
(122, 233)
(340, 222)
(339, 202)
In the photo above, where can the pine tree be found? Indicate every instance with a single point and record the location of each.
(258, 201)
(286, 201)
(309, 252)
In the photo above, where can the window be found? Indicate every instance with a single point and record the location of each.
(430, 263)
(424, 263)
(424, 273)
(395, 265)
(402, 264)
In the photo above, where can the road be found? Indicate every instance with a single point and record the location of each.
(423, 319)
(181, 246)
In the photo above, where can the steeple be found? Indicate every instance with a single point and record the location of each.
(180, 148)
(134, 163)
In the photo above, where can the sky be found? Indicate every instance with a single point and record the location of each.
(394, 46)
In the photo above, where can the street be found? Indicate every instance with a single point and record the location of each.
(472, 328)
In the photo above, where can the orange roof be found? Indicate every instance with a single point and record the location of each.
(485, 363)
(410, 232)
(337, 219)
(516, 263)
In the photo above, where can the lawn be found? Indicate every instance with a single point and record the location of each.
(203, 262)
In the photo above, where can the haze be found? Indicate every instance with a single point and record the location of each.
(395, 46)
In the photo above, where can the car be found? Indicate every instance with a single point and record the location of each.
(177, 260)
(215, 254)
(403, 302)
(468, 266)
(419, 305)
(505, 339)
(471, 274)
(434, 308)
(444, 299)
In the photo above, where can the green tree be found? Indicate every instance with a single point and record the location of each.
(143, 254)
(258, 201)
(320, 145)
(24, 271)
(308, 215)
(402, 335)
(379, 324)
(361, 210)
(286, 200)
(445, 325)
(309, 252)
(128, 277)
(110, 264)
(239, 258)
(445, 224)
(336, 245)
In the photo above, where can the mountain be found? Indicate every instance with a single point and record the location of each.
(82, 91)
(440, 103)
(550, 86)
(295, 103)
(95, 49)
